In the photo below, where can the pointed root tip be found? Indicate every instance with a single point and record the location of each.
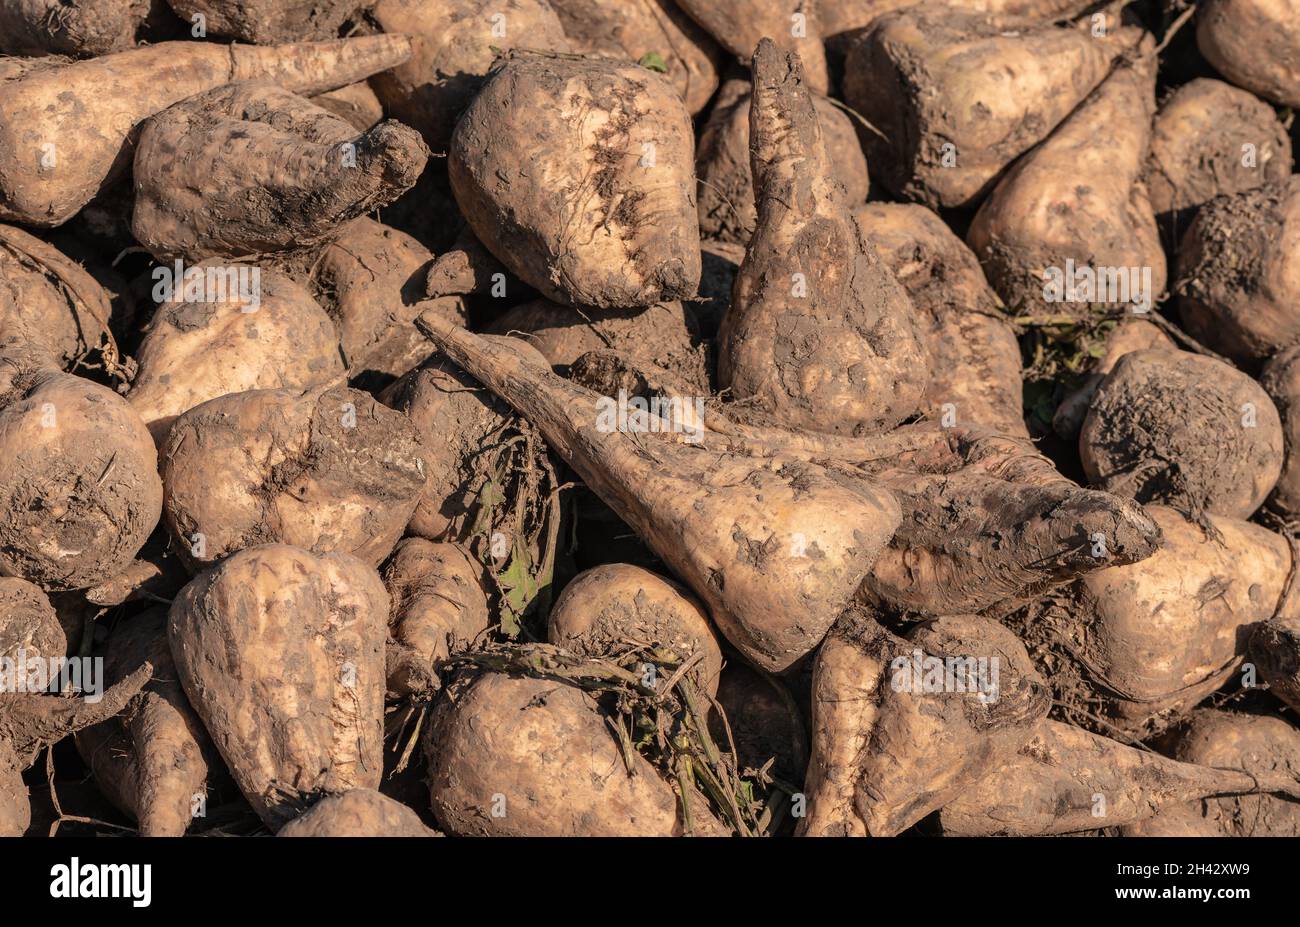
(772, 65)
(435, 326)
(1094, 525)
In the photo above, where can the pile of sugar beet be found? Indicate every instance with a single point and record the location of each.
(649, 417)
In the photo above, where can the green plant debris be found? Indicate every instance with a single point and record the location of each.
(653, 61)
(516, 526)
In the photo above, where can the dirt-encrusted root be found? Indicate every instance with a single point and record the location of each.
(302, 173)
(820, 336)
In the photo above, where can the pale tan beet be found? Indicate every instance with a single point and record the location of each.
(577, 174)
(281, 653)
(925, 734)
(31, 629)
(739, 25)
(1211, 139)
(48, 101)
(542, 756)
(49, 304)
(607, 608)
(722, 163)
(1281, 380)
(30, 721)
(738, 531)
(1255, 44)
(843, 21)
(271, 336)
(1131, 334)
(819, 336)
(1066, 780)
(986, 520)
(958, 99)
(665, 334)
(847, 675)
(438, 602)
(453, 45)
(156, 752)
(844, 15)
(1185, 430)
(323, 469)
(266, 22)
(80, 28)
(370, 283)
(1149, 640)
(643, 31)
(79, 492)
(357, 813)
(1071, 206)
(455, 417)
(15, 809)
(927, 746)
(356, 103)
(171, 747)
(1258, 744)
(975, 359)
(30, 623)
(250, 168)
(1239, 273)
(27, 625)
